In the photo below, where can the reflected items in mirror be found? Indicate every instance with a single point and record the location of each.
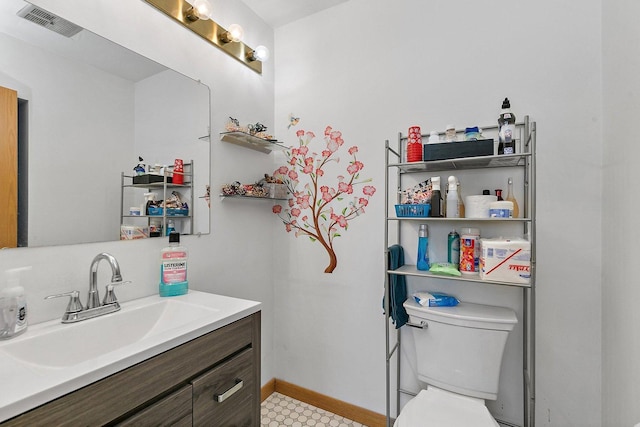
(77, 150)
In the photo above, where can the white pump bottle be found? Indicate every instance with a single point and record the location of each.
(13, 305)
(453, 209)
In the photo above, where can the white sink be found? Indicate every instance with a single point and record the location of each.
(71, 344)
(52, 359)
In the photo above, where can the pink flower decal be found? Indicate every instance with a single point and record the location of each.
(313, 202)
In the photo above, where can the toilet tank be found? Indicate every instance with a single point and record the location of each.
(461, 347)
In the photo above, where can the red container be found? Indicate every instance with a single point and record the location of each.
(178, 169)
(414, 144)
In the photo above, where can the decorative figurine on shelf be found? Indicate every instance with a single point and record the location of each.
(139, 168)
(257, 128)
(233, 125)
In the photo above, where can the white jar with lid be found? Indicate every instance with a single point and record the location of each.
(434, 138)
(501, 209)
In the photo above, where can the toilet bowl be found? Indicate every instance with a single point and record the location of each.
(434, 407)
(458, 354)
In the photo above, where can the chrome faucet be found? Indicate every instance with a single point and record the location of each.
(75, 312)
(93, 300)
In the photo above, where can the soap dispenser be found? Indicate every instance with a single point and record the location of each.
(13, 305)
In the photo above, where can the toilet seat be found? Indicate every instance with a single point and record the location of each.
(440, 408)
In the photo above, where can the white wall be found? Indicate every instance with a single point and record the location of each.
(620, 290)
(171, 120)
(63, 156)
(229, 261)
(372, 69)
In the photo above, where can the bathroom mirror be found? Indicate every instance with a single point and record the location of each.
(88, 108)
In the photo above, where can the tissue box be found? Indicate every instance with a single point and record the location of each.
(276, 191)
(505, 260)
(150, 179)
(454, 150)
(132, 232)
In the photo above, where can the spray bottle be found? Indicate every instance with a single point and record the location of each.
(13, 305)
(453, 209)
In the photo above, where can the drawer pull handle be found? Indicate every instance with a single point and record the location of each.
(227, 394)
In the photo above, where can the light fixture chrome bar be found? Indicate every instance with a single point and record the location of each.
(208, 30)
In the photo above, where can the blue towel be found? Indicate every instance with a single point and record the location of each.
(397, 287)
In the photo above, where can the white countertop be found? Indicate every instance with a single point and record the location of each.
(25, 385)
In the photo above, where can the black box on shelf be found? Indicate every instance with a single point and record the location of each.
(150, 179)
(454, 150)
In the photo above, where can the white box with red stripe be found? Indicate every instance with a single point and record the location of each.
(505, 260)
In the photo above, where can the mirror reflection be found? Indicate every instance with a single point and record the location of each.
(87, 110)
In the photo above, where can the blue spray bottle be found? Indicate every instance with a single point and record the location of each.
(423, 248)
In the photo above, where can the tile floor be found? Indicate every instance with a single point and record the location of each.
(280, 410)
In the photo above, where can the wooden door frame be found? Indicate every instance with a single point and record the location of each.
(8, 168)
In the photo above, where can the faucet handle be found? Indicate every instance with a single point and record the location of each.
(110, 296)
(74, 305)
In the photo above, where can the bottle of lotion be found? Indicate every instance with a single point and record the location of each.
(506, 129)
(13, 305)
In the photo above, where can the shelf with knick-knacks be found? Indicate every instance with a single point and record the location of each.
(252, 136)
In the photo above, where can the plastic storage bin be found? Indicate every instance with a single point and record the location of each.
(417, 211)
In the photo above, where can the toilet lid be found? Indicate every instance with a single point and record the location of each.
(439, 408)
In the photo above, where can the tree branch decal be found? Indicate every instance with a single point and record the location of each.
(314, 209)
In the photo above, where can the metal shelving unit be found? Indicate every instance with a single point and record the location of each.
(525, 160)
(163, 188)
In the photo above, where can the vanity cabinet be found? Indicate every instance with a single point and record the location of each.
(211, 380)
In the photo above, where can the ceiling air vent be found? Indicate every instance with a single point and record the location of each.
(49, 21)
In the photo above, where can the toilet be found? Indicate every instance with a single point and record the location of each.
(459, 352)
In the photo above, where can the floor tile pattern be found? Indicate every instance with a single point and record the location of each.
(279, 410)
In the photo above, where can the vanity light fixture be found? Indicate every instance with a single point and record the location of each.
(201, 9)
(234, 34)
(261, 53)
(196, 17)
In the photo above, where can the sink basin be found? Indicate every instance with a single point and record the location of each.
(68, 345)
(52, 359)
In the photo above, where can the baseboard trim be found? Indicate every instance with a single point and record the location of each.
(344, 409)
(268, 389)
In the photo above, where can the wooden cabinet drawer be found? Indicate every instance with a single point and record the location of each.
(172, 411)
(237, 407)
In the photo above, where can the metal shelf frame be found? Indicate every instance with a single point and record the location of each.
(526, 160)
(163, 188)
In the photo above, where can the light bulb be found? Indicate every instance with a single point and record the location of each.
(261, 53)
(203, 9)
(235, 33)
